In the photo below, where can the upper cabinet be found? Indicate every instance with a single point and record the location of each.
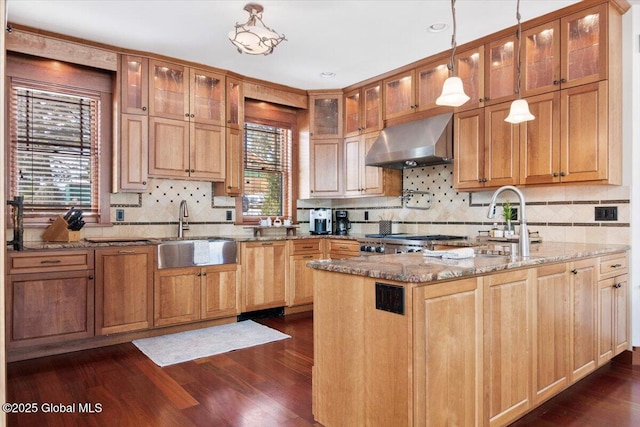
(470, 69)
(399, 95)
(235, 104)
(134, 74)
(363, 110)
(430, 79)
(500, 70)
(325, 111)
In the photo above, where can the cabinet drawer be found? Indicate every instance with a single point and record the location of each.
(343, 248)
(306, 246)
(50, 261)
(613, 265)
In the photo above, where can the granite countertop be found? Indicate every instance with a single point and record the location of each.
(417, 268)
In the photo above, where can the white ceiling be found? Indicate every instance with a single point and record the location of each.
(355, 40)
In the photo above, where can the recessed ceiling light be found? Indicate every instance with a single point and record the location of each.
(327, 74)
(437, 27)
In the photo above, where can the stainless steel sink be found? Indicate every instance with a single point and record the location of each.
(194, 253)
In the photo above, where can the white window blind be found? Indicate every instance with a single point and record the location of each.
(54, 148)
(267, 171)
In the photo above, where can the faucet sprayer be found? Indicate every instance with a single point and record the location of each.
(523, 240)
(183, 223)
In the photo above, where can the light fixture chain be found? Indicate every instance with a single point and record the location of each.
(454, 44)
(519, 40)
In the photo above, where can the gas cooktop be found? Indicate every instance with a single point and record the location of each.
(405, 236)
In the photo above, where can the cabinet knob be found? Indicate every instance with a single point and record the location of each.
(563, 80)
(556, 82)
(204, 274)
(310, 133)
(144, 108)
(144, 182)
(486, 98)
(193, 115)
(555, 174)
(186, 170)
(186, 115)
(228, 187)
(574, 271)
(617, 285)
(91, 277)
(198, 274)
(192, 170)
(563, 174)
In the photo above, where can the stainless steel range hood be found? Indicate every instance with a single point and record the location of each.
(419, 143)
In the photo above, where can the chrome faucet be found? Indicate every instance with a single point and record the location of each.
(523, 241)
(183, 223)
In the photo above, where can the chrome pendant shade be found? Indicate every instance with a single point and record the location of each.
(254, 37)
(519, 111)
(452, 90)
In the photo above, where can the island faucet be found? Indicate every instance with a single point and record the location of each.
(183, 223)
(523, 241)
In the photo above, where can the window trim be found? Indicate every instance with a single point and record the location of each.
(75, 79)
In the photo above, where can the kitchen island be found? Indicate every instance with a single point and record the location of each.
(406, 340)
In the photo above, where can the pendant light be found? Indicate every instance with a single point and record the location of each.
(254, 37)
(452, 91)
(519, 111)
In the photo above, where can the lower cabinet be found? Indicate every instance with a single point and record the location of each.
(300, 277)
(583, 283)
(264, 275)
(342, 248)
(49, 297)
(124, 289)
(613, 307)
(183, 295)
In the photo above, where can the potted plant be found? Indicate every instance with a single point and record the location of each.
(507, 213)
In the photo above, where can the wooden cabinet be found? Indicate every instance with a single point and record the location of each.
(363, 110)
(399, 95)
(342, 248)
(325, 167)
(234, 164)
(265, 276)
(124, 289)
(362, 180)
(134, 83)
(325, 115)
(500, 70)
(508, 345)
(486, 149)
(300, 277)
(448, 335)
(470, 69)
(551, 331)
(613, 307)
(235, 104)
(179, 149)
(184, 295)
(50, 297)
(583, 282)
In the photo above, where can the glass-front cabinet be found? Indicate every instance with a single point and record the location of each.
(168, 90)
(325, 115)
(540, 59)
(363, 110)
(207, 97)
(134, 71)
(500, 70)
(470, 69)
(431, 78)
(399, 95)
(235, 103)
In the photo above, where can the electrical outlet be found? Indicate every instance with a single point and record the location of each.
(606, 213)
(514, 214)
(119, 214)
(366, 215)
(229, 216)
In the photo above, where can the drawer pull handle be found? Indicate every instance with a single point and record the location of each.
(574, 271)
(616, 266)
(126, 252)
(50, 261)
(307, 247)
(307, 256)
(267, 244)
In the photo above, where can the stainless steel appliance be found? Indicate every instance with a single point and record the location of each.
(373, 244)
(320, 221)
(193, 253)
(343, 225)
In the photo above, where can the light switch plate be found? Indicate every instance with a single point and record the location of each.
(119, 214)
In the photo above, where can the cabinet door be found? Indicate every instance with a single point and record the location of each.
(540, 141)
(371, 177)
(168, 90)
(325, 116)
(176, 297)
(552, 314)
(540, 59)
(584, 133)
(134, 73)
(448, 335)
(584, 47)
(124, 289)
(468, 159)
(168, 148)
(326, 167)
(220, 291)
(352, 166)
(301, 289)
(501, 71)
(207, 97)
(134, 152)
(264, 275)
(507, 345)
(606, 328)
(470, 69)
(399, 95)
(235, 104)
(47, 308)
(352, 119)
(430, 80)
(502, 147)
(207, 152)
(583, 318)
(234, 176)
(371, 108)
(621, 314)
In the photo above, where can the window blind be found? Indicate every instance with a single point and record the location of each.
(55, 149)
(267, 171)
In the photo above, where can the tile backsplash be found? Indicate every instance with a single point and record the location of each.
(430, 206)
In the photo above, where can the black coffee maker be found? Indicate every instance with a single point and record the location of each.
(343, 225)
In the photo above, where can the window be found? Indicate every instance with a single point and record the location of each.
(270, 144)
(267, 171)
(57, 139)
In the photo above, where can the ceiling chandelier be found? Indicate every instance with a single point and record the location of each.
(453, 90)
(519, 111)
(254, 37)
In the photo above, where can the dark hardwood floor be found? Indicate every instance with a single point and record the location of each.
(268, 385)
